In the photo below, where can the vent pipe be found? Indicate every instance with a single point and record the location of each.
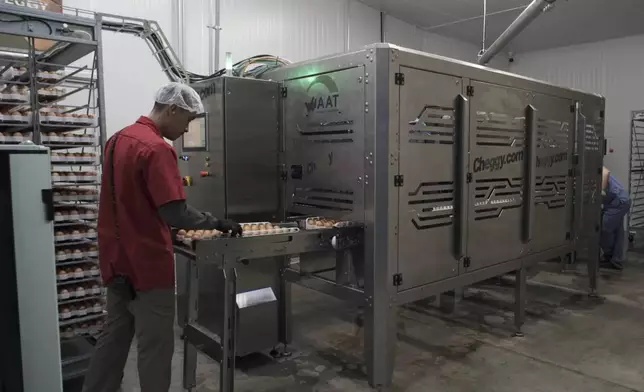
(530, 13)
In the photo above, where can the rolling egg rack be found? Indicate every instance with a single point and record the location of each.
(51, 93)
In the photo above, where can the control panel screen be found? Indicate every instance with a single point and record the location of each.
(195, 138)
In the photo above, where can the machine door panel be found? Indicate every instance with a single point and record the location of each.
(553, 185)
(497, 152)
(427, 161)
(324, 144)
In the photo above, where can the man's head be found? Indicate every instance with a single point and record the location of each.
(175, 106)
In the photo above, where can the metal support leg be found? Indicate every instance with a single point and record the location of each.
(593, 272)
(380, 342)
(228, 338)
(519, 300)
(285, 315)
(189, 350)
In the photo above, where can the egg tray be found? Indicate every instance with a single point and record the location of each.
(282, 228)
(319, 222)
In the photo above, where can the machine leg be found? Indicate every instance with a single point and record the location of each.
(228, 338)
(285, 315)
(380, 342)
(593, 272)
(189, 350)
(519, 301)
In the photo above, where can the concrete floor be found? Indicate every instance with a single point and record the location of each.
(571, 343)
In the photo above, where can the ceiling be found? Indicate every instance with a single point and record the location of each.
(570, 22)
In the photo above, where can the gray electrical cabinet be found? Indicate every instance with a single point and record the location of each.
(30, 359)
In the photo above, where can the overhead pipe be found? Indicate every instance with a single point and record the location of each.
(530, 13)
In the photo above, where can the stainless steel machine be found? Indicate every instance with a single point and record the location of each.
(450, 173)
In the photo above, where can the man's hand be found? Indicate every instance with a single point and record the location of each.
(227, 226)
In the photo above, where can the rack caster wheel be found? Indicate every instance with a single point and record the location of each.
(518, 334)
(631, 238)
(276, 354)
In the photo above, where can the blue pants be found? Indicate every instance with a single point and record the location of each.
(612, 236)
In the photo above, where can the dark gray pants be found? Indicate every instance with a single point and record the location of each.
(151, 317)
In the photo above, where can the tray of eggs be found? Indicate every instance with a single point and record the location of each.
(82, 309)
(14, 94)
(14, 137)
(76, 195)
(69, 138)
(80, 291)
(266, 228)
(76, 254)
(75, 214)
(51, 92)
(91, 328)
(75, 234)
(55, 118)
(67, 176)
(58, 157)
(77, 272)
(13, 73)
(49, 76)
(316, 223)
(16, 117)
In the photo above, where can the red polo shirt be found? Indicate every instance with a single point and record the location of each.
(133, 239)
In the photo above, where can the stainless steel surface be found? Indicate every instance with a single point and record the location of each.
(242, 150)
(427, 223)
(324, 138)
(530, 13)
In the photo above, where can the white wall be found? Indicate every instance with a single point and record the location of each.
(131, 73)
(304, 29)
(613, 68)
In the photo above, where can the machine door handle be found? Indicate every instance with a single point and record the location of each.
(462, 106)
(530, 172)
(48, 201)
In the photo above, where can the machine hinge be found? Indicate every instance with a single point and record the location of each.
(468, 177)
(568, 235)
(571, 173)
(572, 108)
(283, 175)
(466, 262)
(601, 114)
(470, 91)
(575, 159)
(599, 171)
(399, 180)
(399, 78)
(398, 279)
(284, 92)
(597, 228)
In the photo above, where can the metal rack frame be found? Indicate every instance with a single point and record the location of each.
(636, 174)
(74, 37)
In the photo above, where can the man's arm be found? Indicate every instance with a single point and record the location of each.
(181, 214)
(166, 191)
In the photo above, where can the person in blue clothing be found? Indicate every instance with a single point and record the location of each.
(616, 204)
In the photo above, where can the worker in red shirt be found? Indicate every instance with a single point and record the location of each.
(142, 195)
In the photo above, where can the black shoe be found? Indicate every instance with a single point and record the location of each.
(611, 265)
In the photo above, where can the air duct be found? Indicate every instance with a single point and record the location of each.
(529, 14)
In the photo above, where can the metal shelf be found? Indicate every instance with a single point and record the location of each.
(81, 299)
(79, 320)
(636, 171)
(77, 281)
(76, 262)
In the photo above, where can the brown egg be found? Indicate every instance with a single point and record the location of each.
(254, 227)
(181, 232)
(328, 224)
(196, 237)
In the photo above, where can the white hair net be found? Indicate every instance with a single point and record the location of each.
(180, 95)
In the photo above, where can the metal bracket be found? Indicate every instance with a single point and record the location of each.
(398, 279)
(284, 92)
(399, 180)
(469, 91)
(467, 262)
(468, 177)
(399, 78)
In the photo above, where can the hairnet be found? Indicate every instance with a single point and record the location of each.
(180, 95)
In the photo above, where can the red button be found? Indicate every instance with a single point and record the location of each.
(204, 174)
